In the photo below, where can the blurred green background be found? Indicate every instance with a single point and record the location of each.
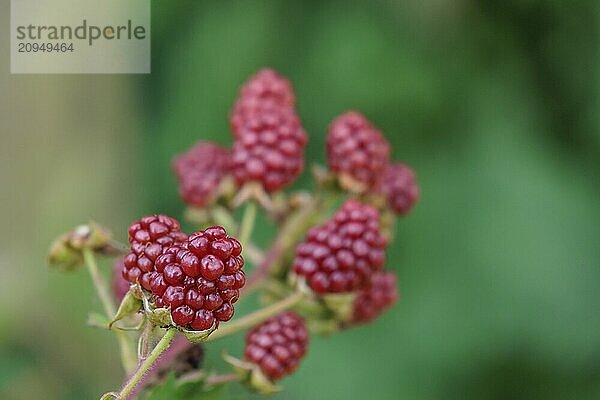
(495, 104)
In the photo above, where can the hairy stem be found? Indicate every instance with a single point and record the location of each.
(128, 357)
(145, 339)
(145, 365)
(255, 318)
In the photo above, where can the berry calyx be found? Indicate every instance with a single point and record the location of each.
(400, 188)
(372, 301)
(148, 238)
(342, 254)
(199, 280)
(277, 345)
(356, 150)
(199, 172)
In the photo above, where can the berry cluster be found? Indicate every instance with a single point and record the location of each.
(268, 136)
(400, 188)
(148, 237)
(199, 280)
(199, 172)
(342, 254)
(374, 299)
(196, 279)
(356, 149)
(277, 345)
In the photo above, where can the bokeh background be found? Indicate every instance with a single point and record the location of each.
(495, 104)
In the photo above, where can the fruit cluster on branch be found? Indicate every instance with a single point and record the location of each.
(324, 271)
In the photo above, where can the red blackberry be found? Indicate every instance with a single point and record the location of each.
(199, 280)
(265, 90)
(148, 237)
(342, 254)
(373, 300)
(269, 148)
(356, 149)
(120, 286)
(277, 345)
(199, 172)
(400, 187)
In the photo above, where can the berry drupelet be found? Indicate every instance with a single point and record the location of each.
(400, 188)
(373, 300)
(342, 254)
(265, 90)
(199, 280)
(277, 345)
(269, 148)
(200, 171)
(356, 149)
(148, 237)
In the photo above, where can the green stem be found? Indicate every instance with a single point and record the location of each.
(161, 346)
(221, 216)
(107, 303)
(213, 380)
(145, 339)
(256, 317)
(128, 357)
(248, 222)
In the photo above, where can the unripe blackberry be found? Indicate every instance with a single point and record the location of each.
(357, 150)
(373, 300)
(277, 345)
(148, 237)
(269, 148)
(400, 187)
(265, 90)
(342, 254)
(199, 280)
(199, 172)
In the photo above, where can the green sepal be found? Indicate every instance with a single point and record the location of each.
(130, 305)
(342, 305)
(160, 317)
(252, 376)
(66, 254)
(91, 236)
(198, 336)
(324, 327)
(64, 257)
(97, 320)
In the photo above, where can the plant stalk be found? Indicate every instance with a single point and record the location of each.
(145, 365)
(257, 317)
(128, 357)
(248, 220)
